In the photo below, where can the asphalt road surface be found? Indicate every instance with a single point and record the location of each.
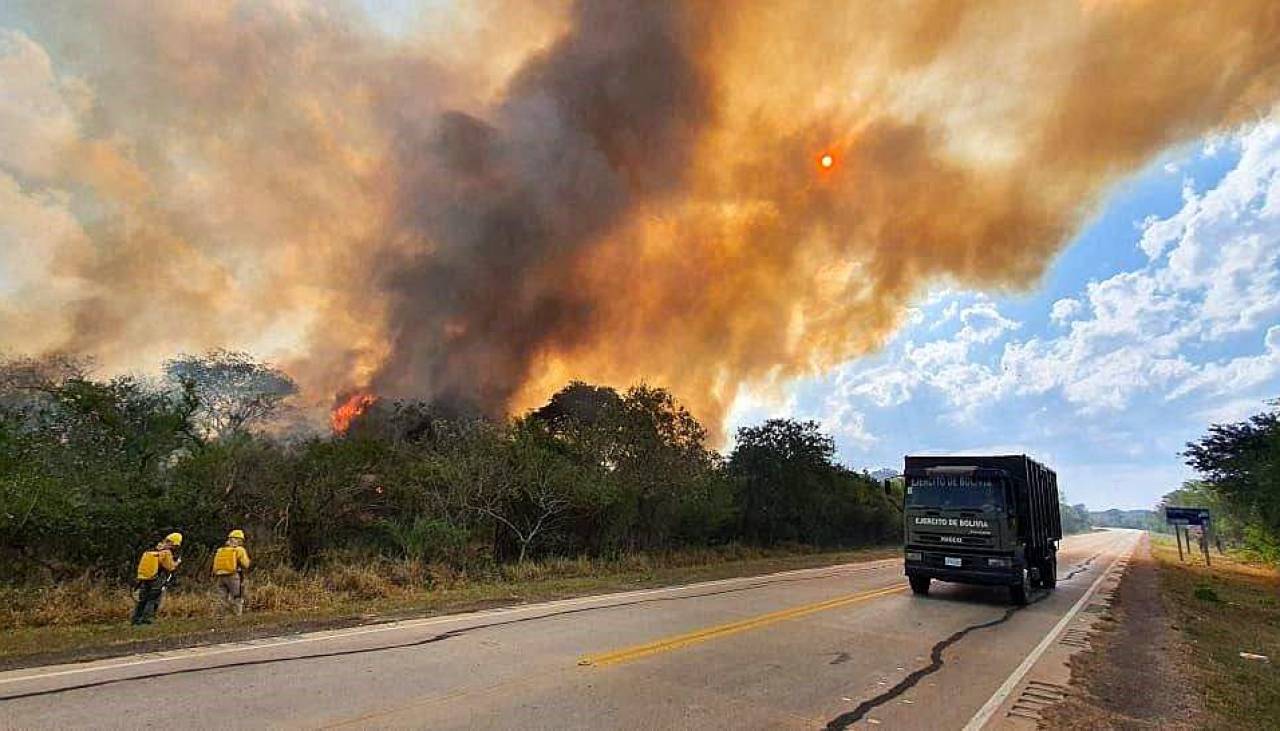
(839, 647)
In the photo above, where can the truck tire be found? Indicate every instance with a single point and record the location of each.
(919, 584)
(1049, 572)
(1020, 593)
(1038, 570)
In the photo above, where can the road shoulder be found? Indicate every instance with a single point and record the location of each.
(44, 646)
(1135, 672)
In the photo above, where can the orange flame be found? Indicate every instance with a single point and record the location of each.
(346, 412)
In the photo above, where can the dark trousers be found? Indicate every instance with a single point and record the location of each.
(149, 593)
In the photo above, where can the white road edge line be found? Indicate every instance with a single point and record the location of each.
(993, 704)
(193, 653)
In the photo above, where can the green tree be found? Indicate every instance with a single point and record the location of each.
(333, 491)
(1240, 466)
(1075, 518)
(791, 489)
(84, 468)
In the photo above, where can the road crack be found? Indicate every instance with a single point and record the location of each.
(847, 719)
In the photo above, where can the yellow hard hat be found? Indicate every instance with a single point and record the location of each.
(237, 533)
(174, 538)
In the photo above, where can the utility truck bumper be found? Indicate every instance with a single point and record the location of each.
(973, 569)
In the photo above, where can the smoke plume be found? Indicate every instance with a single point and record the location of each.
(484, 207)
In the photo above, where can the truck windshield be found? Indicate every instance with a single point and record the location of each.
(954, 492)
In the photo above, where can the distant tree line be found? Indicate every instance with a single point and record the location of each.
(93, 470)
(1115, 518)
(1239, 465)
(1075, 518)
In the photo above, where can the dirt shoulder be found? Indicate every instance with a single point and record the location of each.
(45, 645)
(1134, 676)
(1170, 657)
(1223, 610)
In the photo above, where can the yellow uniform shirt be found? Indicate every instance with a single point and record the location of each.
(229, 560)
(152, 561)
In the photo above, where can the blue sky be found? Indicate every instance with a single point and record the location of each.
(1160, 317)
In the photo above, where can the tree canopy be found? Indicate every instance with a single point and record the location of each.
(92, 471)
(1240, 468)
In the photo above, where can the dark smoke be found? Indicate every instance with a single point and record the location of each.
(605, 120)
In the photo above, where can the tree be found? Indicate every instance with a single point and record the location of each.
(513, 476)
(791, 489)
(659, 455)
(579, 406)
(541, 492)
(644, 459)
(232, 390)
(331, 492)
(1075, 518)
(1240, 464)
(84, 469)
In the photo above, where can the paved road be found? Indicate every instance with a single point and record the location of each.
(845, 646)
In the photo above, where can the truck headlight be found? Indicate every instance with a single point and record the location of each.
(999, 562)
(914, 556)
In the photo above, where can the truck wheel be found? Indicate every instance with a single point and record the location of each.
(1020, 593)
(1049, 572)
(919, 584)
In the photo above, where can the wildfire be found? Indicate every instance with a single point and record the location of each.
(346, 412)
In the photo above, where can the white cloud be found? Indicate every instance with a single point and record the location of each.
(945, 364)
(1232, 411)
(1236, 375)
(846, 423)
(1213, 272)
(983, 323)
(1064, 310)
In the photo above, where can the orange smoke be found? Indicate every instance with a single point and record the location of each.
(603, 190)
(345, 413)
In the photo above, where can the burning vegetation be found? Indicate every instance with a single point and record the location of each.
(600, 189)
(348, 410)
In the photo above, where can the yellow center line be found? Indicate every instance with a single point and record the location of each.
(676, 642)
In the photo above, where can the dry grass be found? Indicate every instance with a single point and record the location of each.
(88, 617)
(1231, 607)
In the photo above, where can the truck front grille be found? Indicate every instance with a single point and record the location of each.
(948, 539)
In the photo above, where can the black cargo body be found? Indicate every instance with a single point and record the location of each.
(1010, 539)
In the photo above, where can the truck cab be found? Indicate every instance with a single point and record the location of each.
(981, 520)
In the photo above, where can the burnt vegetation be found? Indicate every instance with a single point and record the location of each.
(92, 470)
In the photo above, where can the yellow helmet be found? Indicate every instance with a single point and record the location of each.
(237, 533)
(174, 538)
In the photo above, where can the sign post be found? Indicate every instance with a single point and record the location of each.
(1177, 536)
(1180, 518)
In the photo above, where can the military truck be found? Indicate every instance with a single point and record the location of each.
(981, 520)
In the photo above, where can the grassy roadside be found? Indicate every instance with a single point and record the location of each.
(86, 620)
(1231, 607)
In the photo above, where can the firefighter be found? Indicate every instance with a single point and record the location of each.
(229, 564)
(155, 571)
